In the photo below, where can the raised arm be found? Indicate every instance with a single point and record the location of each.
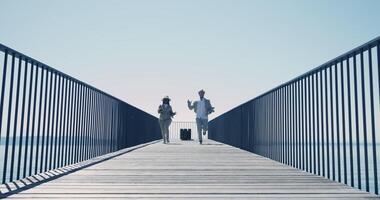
(190, 105)
(210, 108)
(159, 109)
(171, 112)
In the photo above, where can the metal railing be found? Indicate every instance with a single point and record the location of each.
(49, 119)
(176, 126)
(324, 122)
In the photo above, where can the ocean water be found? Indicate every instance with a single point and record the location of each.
(31, 159)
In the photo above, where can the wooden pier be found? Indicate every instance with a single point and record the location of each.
(187, 170)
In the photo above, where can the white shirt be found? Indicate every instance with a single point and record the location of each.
(201, 109)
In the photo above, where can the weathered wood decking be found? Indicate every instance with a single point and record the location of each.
(184, 170)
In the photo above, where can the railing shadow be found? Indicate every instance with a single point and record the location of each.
(35, 180)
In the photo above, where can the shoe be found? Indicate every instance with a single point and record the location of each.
(200, 142)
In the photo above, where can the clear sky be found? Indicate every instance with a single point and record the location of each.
(141, 50)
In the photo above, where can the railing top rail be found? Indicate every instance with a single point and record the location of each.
(327, 64)
(29, 59)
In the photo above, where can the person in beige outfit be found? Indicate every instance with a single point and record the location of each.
(165, 119)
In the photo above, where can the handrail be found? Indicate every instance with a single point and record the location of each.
(49, 119)
(324, 121)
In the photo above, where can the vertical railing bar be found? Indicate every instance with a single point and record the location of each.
(287, 124)
(343, 123)
(100, 120)
(53, 125)
(332, 125)
(105, 116)
(62, 136)
(5, 66)
(108, 130)
(323, 93)
(70, 123)
(295, 127)
(111, 128)
(73, 125)
(106, 125)
(22, 120)
(84, 122)
(276, 108)
(327, 85)
(350, 122)
(318, 160)
(373, 130)
(280, 134)
(289, 110)
(57, 119)
(33, 122)
(364, 122)
(292, 126)
(87, 123)
(303, 118)
(357, 124)
(50, 119)
(378, 81)
(44, 128)
(266, 134)
(273, 125)
(28, 118)
(58, 137)
(80, 127)
(93, 123)
(98, 123)
(313, 120)
(299, 121)
(15, 120)
(282, 131)
(5, 163)
(39, 121)
(309, 133)
(78, 124)
(92, 119)
(337, 120)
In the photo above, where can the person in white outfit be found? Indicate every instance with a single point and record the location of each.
(202, 108)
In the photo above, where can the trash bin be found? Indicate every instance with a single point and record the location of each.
(185, 134)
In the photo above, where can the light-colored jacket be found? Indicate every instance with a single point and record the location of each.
(166, 113)
(194, 106)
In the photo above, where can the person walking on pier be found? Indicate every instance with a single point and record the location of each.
(202, 108)
(165, 119)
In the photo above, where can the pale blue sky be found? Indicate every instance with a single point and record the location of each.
(142, 50)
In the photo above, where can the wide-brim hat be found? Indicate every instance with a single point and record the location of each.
(201, 91)
(166, 97)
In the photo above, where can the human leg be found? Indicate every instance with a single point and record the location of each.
(162, 127)
(204, 126)
(167, 125)
(199, 129)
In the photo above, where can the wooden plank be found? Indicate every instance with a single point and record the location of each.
(184, 170)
